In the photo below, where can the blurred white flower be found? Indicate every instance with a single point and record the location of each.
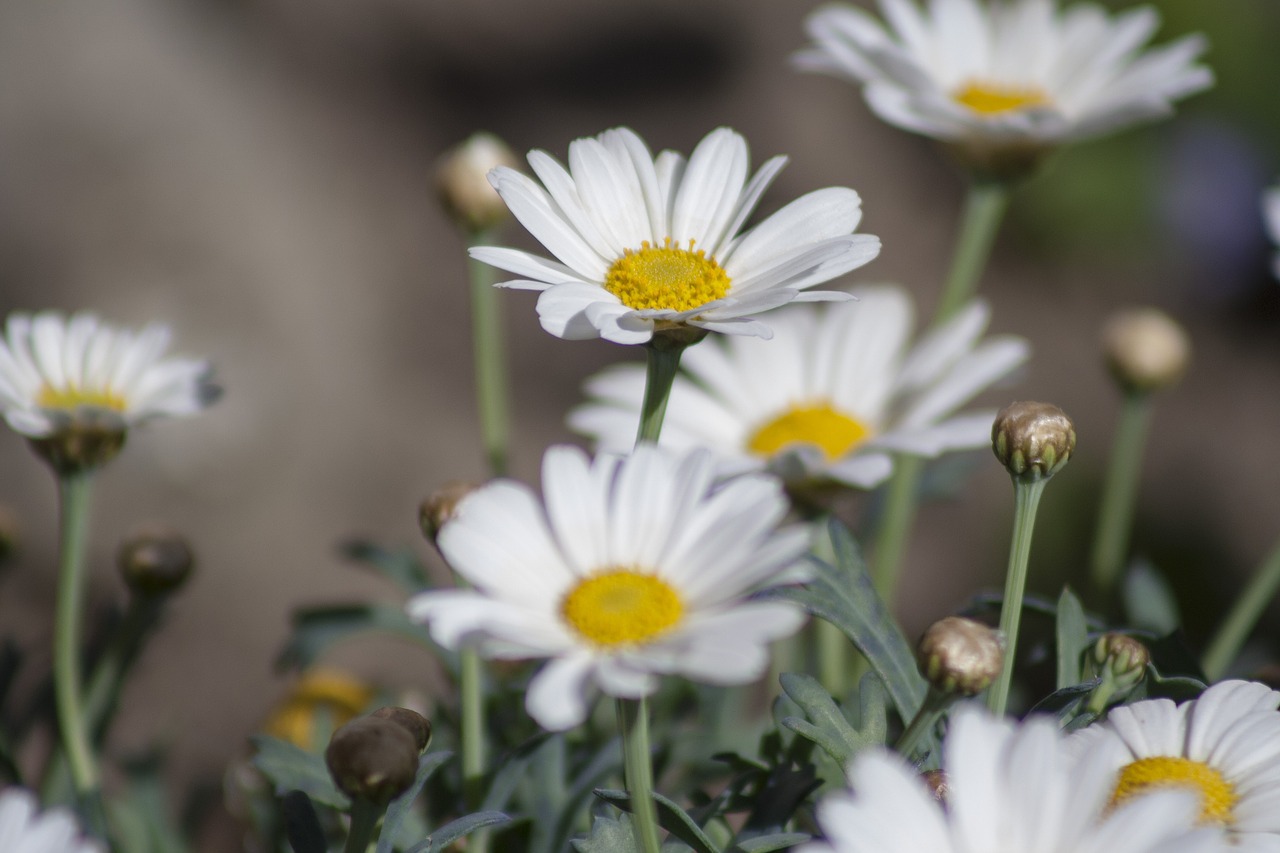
(1223, 746)
(24, 830)
(830, 397)
(644, 244)
(628, 568)
(55, 371)
(1011, 788)
(1271, 216)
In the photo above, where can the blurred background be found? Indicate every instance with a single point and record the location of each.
(259, 175)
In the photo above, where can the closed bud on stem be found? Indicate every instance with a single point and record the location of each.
(85, 439)
(436, 511)
(155, 561)
(1033, 440)
(1121, 657)
(1145, 349)
(960, 656)
(372, 759)
(462, 181)
(412, 722)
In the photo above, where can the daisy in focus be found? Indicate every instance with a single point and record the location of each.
(643, 244)
(23, 829)
(1224, 746)
(625, 570)
(1011, 788)
(830, 398)
(1002, 76)
(59, 374)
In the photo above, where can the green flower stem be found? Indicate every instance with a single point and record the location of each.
(365, 815)
(633, 724)
(471, 686)
(1026, 496)
(901, 499)
(74, 491)
(984, 208)
(1120, 491)
(935, 703)
(1248, 608)
(662, 361)
(490, 358)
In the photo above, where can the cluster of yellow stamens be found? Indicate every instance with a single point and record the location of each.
(71, 397)
(1217, 795)
(818, 424)
(990, 99)
(666, 277)
(622, 606)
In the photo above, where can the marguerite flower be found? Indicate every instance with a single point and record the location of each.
(23, 829)
(830, 397)
(1013, 75)
(1225, 746)
(1271, 217)
(628, 568)
(1010, 789)
(644, 244)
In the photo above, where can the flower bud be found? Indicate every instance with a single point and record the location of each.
(372, 759)
(436, 511)
(937, 784)
(960, 656)
(155, 561)
(1124, 657)
(86, 439)
(1145, 349)
(1033, 440)
(413, 722)
(462, 181)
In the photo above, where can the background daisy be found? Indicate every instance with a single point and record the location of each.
(24, 829)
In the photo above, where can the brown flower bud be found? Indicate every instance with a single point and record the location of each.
(937, 784)
(462, 180)
(1145, 349)
(1033, 440)
(1124, 656)
(413, 722)
(372, 759)
(155, 561)
(959, 655)
(438, 510)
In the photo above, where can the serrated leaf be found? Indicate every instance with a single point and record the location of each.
(452, 831)
(671, 817)
(826, 725)
(402, 567)
(315, 629)
(400, 807)
(769, 843)
(301, 825)
(843, 594)
(289, 768)
(1148, 599)
(609, 835)
(1065, 702)
(1071, 633)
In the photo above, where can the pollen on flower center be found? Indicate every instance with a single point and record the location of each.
(622, 606)
(820, 425)
(72, 397)
(990, 99)
(1217, 795)
(666, 277)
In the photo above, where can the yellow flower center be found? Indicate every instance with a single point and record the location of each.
(829, 430)
(1217, 795)
(666, 277)
(72, 397)
(991, 99)
(622, 606)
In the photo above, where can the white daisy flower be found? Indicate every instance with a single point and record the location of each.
(56, 373)
(644, 244)
(628, 568)
(1271, 217)
(1009, 74)
(1225, 746)
(1010, 789)
(24, 830)
(830, 397)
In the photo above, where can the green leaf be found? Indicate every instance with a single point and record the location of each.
(768, 843)
(606, 762)
(301, 825)
(1148, 599)
(1071, 631)
(315, 629)
(609, 835)
(842, 593)
(452, 831)
(671, 817)
(826, 726)
(401, 806)
(289, 768)
(401, 567)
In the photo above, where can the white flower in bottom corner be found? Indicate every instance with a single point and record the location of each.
(837, 390)
(1223, 746)
(1271, 218)
(625, 570)
(1011, 788)
(23, 829)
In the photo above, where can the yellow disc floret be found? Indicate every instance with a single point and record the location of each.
(990, 99)
(619, 607)
(72, 397)
(1217, 795)
(666, 277)
(819, 425)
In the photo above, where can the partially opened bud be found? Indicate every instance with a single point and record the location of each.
(462, 180)
(373, 759)
(1033, 440)
(436, 511)
(960, 656)
(1124, 657)
(1146, 349)
(155, 561)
